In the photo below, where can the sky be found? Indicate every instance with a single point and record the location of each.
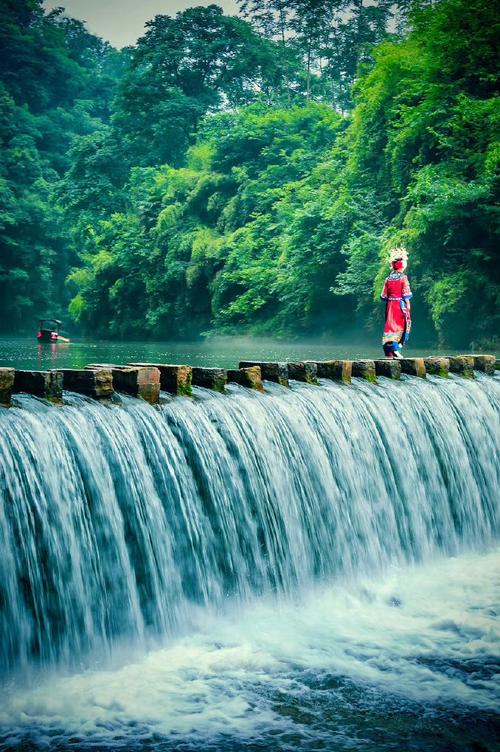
(121, 22)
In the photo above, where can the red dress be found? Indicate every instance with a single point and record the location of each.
(397, 316)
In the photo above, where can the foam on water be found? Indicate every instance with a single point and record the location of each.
(424, 636)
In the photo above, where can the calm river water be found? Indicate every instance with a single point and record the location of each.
(25, 352)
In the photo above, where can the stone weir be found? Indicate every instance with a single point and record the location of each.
(145, 380)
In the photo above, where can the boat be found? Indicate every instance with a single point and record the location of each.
(48, 331)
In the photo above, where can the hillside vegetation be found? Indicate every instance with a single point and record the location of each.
(248, 175)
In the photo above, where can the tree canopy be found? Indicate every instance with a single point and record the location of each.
(232, 174)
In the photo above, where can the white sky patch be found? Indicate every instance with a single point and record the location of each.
(121, 22)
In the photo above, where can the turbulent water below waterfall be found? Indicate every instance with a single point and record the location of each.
(313, 569)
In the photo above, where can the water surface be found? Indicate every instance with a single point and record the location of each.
(223, 352)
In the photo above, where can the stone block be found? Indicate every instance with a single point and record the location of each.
(413, 367)
(364, 369)
(143, 381)
(210, 378)
(437, 366)
(96, 383)
(388, 367)
(250, 377)
(336, 370)
(277, 372)
(303, 370)
(485, 363)
(46, 384)
(463, 365)
(175, 379)
(6, 384)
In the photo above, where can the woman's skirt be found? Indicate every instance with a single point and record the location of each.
(397, 322)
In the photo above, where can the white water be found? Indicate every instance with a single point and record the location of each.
(250, 567)
(424, 636)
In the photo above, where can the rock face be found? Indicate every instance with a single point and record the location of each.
(303, 370)
(336, 370)
(250, 377)
(463, 365)
(485, 363)
(413, 366)
(210, 378)
(364, 369)
(389, 367)
(93, 382)
(47, 384)
(6, 384)
(437, 366)
(277, 372)
(173, 378)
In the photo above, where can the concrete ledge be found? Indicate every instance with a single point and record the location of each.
(96, 382)
(46, 384)
(277, 372)
(250, 377)
(173, 378)
(303, 370)
(336, 370)
(210, 378)
(364, 369)
(413, 367)
(485, 363)
(437, 366)
(388, 367)
(463, 365)
(6, 384)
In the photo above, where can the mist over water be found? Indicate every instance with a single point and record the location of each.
(315, 568)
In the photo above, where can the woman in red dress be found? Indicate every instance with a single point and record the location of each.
(396, 294)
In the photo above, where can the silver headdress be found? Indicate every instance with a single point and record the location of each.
(395, 254)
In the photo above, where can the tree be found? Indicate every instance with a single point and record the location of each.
(424, 144)
(56, 84)
(182, 68)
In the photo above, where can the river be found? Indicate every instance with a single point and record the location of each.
(224, 352)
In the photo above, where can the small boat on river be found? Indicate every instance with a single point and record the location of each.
(48, 331)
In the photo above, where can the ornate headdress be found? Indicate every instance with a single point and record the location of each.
(398, 254)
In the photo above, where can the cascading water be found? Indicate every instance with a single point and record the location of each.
(132, 525)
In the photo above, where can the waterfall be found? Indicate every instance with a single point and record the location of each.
(117, 520)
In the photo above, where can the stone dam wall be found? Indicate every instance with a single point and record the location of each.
(145, 380)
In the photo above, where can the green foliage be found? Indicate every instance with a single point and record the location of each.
(227, 176)
(183, 67)
(224, 239)
(425, 140)
(57, 83)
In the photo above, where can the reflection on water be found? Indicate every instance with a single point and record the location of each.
(49, 355)
(224, 352)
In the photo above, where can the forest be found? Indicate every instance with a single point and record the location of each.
(248, 174)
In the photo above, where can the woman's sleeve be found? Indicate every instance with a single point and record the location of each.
(384, 295)
(406, 292)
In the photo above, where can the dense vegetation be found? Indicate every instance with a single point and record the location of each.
(249, 174)
(57, 83)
